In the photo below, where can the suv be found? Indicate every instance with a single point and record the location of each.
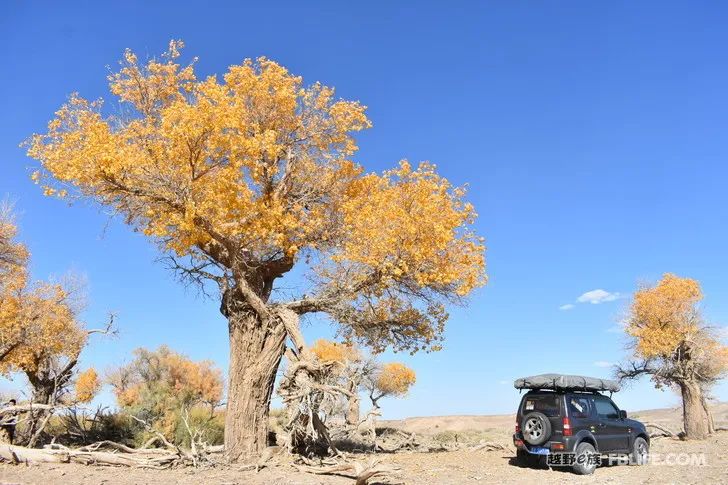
(581, 424)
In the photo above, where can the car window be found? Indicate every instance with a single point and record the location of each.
(605, 408)
(579, 406)
(543, 403)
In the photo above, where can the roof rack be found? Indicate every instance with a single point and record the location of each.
(561, 382)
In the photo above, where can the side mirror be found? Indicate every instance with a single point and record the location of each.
(622, 414)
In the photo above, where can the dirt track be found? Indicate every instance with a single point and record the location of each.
(459, 467)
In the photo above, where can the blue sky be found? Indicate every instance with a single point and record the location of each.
(592, 136)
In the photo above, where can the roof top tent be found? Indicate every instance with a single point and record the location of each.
(561, 382)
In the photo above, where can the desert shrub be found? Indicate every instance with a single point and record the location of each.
(172, 395)
(77, 428)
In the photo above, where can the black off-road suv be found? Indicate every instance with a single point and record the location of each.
(566, 421)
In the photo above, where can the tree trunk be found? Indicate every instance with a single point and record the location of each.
(352, 415)
(711, 423)
(695, 415)
(256, 350)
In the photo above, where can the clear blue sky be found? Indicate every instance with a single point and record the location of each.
(594, 137)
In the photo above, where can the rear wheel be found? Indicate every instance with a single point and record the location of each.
(536, 428)
(585, 459)
(640, 452)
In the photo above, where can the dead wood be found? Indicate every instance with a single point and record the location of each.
(661, 432)
(362, 473)
(490, 446)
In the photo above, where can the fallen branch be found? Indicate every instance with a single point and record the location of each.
(490, 446)
(61, 454)
(662, 432)
(361, 472)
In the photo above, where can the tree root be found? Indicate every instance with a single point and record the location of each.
(360, 472)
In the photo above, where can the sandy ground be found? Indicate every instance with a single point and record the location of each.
(461, 467)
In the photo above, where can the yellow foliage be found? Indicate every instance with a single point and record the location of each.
(37, 322)
(198, 160)
(165, 380)
(424, 218)
(202, 380)
(328, 351)
(663, 316)
(13, 256)
(670, 335)
(164, 385)
(87, 386)
(395, 379)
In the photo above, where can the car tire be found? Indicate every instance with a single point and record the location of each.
(536, 428)
(640, 452)
(584, 466)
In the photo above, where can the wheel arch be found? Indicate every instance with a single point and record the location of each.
(588, 437)
(643, 435)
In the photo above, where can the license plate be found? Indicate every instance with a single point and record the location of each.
(539, 450)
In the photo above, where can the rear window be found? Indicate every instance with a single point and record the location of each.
(543, 403)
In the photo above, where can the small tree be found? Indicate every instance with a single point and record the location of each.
(672, 344)
(41, 335)
(241, 179)
(393, 379)
(174, 395)
(40, 331)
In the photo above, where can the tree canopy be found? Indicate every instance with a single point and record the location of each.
(670, 335)
(38, 321)
(251, 173)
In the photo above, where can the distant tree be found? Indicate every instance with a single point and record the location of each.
(170, 393)
(87, 385)
(672, 344)
(41, 335)
(393, 379)
(243, 178)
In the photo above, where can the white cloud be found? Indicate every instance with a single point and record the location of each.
(603, 363)
(568, 306)
(503, 383)
(597, 296)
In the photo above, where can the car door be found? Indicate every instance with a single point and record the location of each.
(611, 431)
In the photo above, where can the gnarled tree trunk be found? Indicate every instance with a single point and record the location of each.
(256, 349)
(352, 413)
(695, 413)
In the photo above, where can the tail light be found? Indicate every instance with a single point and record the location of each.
(518, 426)
(567, 427)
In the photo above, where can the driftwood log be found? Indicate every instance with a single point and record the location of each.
(659, 431)
(92, 454)
(361, 472)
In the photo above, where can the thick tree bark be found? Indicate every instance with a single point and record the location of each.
(352, 415)
(711, 423)
(695, 414)
(256, 349)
